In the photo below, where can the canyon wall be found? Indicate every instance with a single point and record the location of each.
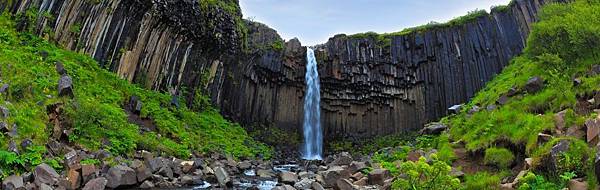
(371, 84)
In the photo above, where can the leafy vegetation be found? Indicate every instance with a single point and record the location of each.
(500, 157)
(482, 180)
(422, 175)
(96, 114)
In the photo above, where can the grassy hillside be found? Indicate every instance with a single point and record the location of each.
(95, 115)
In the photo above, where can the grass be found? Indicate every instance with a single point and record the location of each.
(96, 115)
(499, 157)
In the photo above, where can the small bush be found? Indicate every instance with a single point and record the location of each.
(499, 157)
(422, 175)
(482, 180)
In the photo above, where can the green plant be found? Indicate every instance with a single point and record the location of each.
(90, 161)
(499, 157)
(422, 175)
(482, 180)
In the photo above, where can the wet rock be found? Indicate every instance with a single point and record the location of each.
(378, 176)
(119, 176)
(344, 184)
(534, 84)
(13, 182)
(60, 68)
(43, 173)
(333, 174)
(244, 165)
(288, 177)
(65, 86)
(265, 173)
(95, 184)
(434, 129)
(147, 185)
(223, 177)
(455, 109)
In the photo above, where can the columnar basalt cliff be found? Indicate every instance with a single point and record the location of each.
(371, 84)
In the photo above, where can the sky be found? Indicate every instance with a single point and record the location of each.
(315, 21)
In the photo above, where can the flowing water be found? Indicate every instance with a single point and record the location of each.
(313, 137)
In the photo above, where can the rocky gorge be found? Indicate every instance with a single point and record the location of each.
(371, 85)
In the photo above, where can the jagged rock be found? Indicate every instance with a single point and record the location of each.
(343, 158)
(357, 166)
(135, 104)
(44, 174)
(166, 171)
(474, 109)
(455, 109)
(357, 176)
(362, 182)
(95, 184)
(284, 187)
(60, 68)
(27, 177)
(288, 177)
(65, 86)
(544, 138)
(378, 176)
(47, 187)
(88, 172)
(156, 164)
(147, 185)
(434, 129)
(119, 175)
(142, 172)
(187, 166)
(333, 174)
(456, 173)
(12, 147)
(175, 101)
(72, 160)
(223, 177)
(13, 182)
(577, 82)
(244, 165)
(3, 127)
(317, 186)
(73, 180)
(528, 163)
(534, 84)
(31, 186)
(344, 184)
(265, 173)
(502, 100)
(14, 131)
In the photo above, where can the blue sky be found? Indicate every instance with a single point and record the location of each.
(314, 21)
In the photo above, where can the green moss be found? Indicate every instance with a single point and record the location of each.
(96, 115)
(499, 157)
(483, 180)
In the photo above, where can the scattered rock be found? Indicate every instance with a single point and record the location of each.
(288, 177)
(65, 86)
(503, 100)
(357, 176)
(88, 172)
(187, 166)
(13, 182)
(4, 112)
(72, 160)
(333, 174)
(304, 184)
(26, 143)
(12, 147)
(73, 180)
(344, 184)
(47, 187)
(244, 165)
(147, 185)
(474, 109)
(362, 182)
(95, 184)
(378, 176)
(544, 138)
(223, 177)
(357, 166)
(577, 82)
(434, 129)
(60, 68)
(4, 88)
(317, 186)
(491, 107)
(284, 187)
(343, 158)
(135, 105)
(528, 163)
(455, 109)
(593, 131)
(142, 172)
(265, 173)
(119, 175)
(44, 174)
(534, 84)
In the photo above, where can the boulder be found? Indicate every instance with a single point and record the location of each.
(503, 100)
(65, 86)
(577, 184)
(13, 182)
(142, 172)
(288, 178)
(332, 175)
(95, 184)
(343, 158)
(244, 165)
(284, 187)
(156, 164)
(491, 107)
(455, 109)
(12, 147)
(135, 105)
(434, 129)
(73, 180)
(361, 182)
(119, 176)
(44, 174)
(534, 84)
(304, 183)
(47, 187)
(378, 176)
(265, 173)
(72, 160)
(223, 177)
(357, 176)
(166, 171)
(344, 184)
(26, 143)
(60, 68)
(187, 166)
(88, 172)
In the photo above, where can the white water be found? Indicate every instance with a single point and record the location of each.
(313, 137)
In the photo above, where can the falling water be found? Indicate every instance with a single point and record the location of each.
(313, 137)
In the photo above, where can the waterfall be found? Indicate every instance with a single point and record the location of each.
(313, 135)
